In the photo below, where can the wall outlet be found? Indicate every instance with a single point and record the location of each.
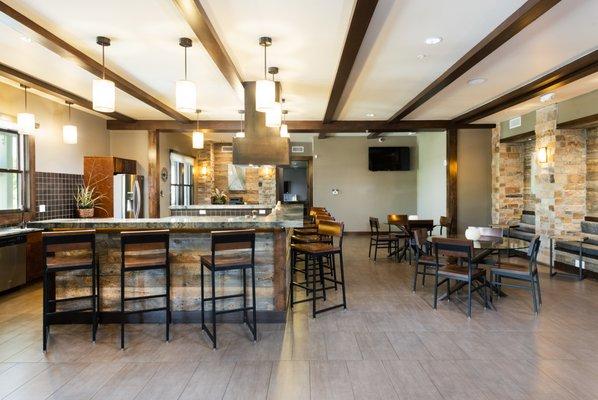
(41, 208)
(583, 264)
(202, 212)
(262, 212)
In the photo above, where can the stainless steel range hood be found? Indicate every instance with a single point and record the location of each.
(261, 145)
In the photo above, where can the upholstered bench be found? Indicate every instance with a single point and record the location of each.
(526, 228)
(585, 247)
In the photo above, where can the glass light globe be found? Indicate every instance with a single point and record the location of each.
(274, 116)
(103, 95)
(26, 123)
(284, 131)
(186, 96)
(197, 140)
(265, 95)
(69, 134)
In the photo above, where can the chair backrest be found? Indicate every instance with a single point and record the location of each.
(332, 229)
(420, 236)
(447, 247)
(140, 243)
(445, 222)
(491, 232)
(374, 226)
(59, 241)
(532, 253)
(233, 240)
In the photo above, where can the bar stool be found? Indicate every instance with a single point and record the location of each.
(68, 251)
(222, 260)
(318, 252)
(144, 251)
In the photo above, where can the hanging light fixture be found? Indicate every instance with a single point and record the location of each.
(197, 134)
(265, 90)
(103, 90)
(69, 131)
(186, 93)
(284, 128)
(25, 120)
(273, 115)
(241, 133)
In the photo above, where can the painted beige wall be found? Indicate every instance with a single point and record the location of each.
(342, 163)
(51, 154)
(431, 175)
(132, 145)
(474, 178)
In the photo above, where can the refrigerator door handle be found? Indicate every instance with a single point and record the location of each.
(137, 198)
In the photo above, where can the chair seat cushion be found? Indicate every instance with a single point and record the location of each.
(149, 260)
(306, 238)
(527, 236)
(68, 261)
(305, 231)
(458, 271)
(316, 248)
(226, 261)
(589, 250)
(510, 268)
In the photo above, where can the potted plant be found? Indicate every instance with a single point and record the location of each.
(218, 196)
(87, 200)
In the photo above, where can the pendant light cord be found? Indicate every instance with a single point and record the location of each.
(103, 64)
(25, 98)
(265, 63)
(185, 63)
(69, 112)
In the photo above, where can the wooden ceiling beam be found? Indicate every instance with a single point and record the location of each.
(571, 72)
(519, 20)
(52, 42)
(45, 87)
(297, 126)
(362, 15)
(199, 22)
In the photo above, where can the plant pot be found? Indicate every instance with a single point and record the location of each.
(85, 212)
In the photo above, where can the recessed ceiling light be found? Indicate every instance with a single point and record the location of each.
(370, 115)
(433, 40)
(26, 39)
(546, 97)
(420, 56)
(476, 81)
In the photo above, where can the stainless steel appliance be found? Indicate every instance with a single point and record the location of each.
(13, 266)
(128, 196)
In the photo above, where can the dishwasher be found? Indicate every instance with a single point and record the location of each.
(13, 268)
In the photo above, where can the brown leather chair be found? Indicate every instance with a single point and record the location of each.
(66, 251)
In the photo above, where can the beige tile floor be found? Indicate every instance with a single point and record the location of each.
(389, 344)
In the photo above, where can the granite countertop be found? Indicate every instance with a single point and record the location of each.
(287, 217)
(221, 206)
(15, 230)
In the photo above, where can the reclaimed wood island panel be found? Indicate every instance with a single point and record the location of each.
(189, 240)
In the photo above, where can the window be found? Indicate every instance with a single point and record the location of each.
(181, 179)
(14, 173)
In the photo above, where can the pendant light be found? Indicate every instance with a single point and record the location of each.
(103, 90)
(197, 134)
(273, 115)
(241, 133)
(265, 90)
(25, 120)
(186, 93)
(69, 131)
(284, 128)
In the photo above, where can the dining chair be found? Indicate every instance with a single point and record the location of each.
(468, 275)
(445, 222)
(381, 240)
(400, 222)
(423, 256)
(526, 273)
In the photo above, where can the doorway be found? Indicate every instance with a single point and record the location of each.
(294, 184)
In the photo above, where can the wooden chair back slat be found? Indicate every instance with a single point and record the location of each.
(447, 247)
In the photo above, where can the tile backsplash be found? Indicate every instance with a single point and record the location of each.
(56, 191)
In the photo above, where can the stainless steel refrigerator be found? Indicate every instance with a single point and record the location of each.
(128, 196)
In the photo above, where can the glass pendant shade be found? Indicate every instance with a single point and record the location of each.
(104, 94)
(274, 116)
(265, 95)
(198, 140)
(186, 96)
(284, 131)
(26, 123)
(240, 135)
(69, 134)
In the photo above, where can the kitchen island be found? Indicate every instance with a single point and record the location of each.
(189, 240)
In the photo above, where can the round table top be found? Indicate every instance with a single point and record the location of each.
(489, 242)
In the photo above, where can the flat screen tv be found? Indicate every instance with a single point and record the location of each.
(389, 159)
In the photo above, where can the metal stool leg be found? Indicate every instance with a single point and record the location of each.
(202, 297)
(168, 313)
(254, 301)
(122, 308)
(213, 273)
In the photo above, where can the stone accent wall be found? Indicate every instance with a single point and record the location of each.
(212, 172)
(507, 180)
(529, 199)
(592, 172)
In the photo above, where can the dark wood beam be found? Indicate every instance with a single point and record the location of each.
(524, 16)
(362, 14)
(43, 86)
(590, 121)
(153, 173)
(297, 126)
(52, 42)
(431, 128)
(451, 177)
(571, 72)
(199, 22)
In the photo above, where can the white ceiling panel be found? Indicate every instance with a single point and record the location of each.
(564, 33)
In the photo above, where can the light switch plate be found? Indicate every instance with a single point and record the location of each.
(41, 208)
(262, 212)
(202, 212)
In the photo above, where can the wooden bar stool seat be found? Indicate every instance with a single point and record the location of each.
(144, 251)
(231, 250)
(69, 251)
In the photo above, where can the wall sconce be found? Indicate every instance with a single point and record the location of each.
(204, 170)
(543, 155)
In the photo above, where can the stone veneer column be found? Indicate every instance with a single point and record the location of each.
(560, 183)
(507, 180)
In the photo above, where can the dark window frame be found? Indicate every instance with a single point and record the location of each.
(22, 171)
(182, 187)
